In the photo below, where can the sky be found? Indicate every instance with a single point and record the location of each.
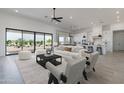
(15, 36)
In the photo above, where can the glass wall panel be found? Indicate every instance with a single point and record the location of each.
(28, 41)
(17, 40)
(13, 42)
(39, 41)
(48, 41)
(61, 40)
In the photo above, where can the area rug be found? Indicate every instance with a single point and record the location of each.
(109, 70)
(32, 72)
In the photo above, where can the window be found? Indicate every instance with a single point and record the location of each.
(67, 40)
(17, 40)
(39, 41)
(13, 42)
(28, 41)
(64, 40)
(61, 40)
(48, 40)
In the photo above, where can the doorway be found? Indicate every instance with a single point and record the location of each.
(118, 40)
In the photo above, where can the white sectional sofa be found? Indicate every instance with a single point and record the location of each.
(75, 51)
(40, 51)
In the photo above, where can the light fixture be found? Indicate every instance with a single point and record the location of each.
(84, 36)
(117, 12)
(16, 11)
(99, 35)
(70, 17)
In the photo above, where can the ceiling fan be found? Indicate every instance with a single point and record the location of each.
(58, 19)
(54, 18)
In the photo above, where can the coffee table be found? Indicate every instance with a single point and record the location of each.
(42, 59)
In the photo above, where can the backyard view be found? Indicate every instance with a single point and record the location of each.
(48, 41)
(39, 41)
(28, 41)
(15, 43)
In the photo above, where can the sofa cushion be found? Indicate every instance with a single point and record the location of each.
(76, 49)
(61, 47)
(83, 54)
(67, 49)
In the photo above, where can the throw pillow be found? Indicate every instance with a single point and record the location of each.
(67, 49)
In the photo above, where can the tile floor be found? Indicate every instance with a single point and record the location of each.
(109, 70)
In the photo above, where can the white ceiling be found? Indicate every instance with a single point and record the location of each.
(81, 17)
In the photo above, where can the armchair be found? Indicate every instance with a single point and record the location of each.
(90, 64)
(68, 74)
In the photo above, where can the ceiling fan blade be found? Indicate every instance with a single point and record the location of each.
(53, 18)
(57, 20)
(59, 17)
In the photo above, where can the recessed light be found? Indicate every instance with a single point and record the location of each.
(117, 12)
(16, 11)
(70, 17)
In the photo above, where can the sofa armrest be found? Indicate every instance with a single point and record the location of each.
(53, 69)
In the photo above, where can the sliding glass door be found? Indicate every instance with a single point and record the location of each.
(17, 40)
(48, 41)
(13, 42)
(28, 41)
(40, 41)
(61, 40)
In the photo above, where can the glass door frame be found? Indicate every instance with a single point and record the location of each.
(22, 31)
(45, 40)
(17, 30)
(35, 38)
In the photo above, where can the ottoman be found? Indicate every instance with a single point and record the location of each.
(25, 55)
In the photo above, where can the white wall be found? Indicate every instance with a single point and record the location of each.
(77, 35)
(8, 20)
(107, 34)
(89, 33)
(106, 37)
(97, 30)
(77, 38)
